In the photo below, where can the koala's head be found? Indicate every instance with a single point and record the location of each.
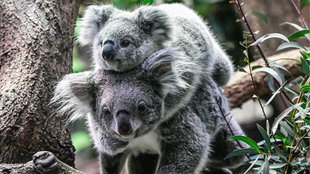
(120, 39)
(125, 105)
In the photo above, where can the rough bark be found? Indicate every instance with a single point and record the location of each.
(240, 88)
(36, 40)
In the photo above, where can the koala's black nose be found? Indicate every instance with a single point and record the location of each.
(123, 123)
(108, 50)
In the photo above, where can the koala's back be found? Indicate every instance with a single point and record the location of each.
(191, 36)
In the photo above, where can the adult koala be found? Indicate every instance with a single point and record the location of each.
(121, 40)
(127, 121)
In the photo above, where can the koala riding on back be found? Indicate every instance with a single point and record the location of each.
(121, 40)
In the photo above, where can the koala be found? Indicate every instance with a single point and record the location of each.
(121, 40)
(126, 118)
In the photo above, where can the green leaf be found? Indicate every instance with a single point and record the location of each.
(269, 36)
(256, 67)
(278, 91)
(252, 165)
(241, 152)
(298, 34)
(80, 140)
(248, 141)
(277, 165)
(272, 72)
(288, 129)
(305, 55)
(307, 121)
(264, 168)
(305, 88)
(293, 25)
(147, 1)
(305, 66)
(265, 137)
(281, 116)
(286, 45)
(304, 3)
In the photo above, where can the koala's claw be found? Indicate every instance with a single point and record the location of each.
(44, 159)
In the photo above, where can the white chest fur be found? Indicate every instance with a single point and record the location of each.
(148, 143)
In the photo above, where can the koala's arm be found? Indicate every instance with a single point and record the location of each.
(73, 95)
(222, 146)
(185, 144)
(223, 68)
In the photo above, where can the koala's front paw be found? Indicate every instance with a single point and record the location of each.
(165, 54)
(160, 60)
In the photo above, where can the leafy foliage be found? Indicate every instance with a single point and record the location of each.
(285, 147)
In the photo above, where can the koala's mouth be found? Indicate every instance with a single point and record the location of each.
(142, 131)
(112, 61)
(112, 64)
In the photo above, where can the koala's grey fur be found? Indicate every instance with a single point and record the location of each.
(149, 29)
(126, 119)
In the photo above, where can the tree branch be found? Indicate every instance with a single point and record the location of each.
(42, 162)
(240, 88)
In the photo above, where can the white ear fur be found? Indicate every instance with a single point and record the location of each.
(93, 20)
(73, 95)
(155, 21)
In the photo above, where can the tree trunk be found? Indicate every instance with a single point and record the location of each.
(36, 40)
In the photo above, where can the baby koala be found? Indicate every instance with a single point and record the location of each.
(127, 122)
(121, 40)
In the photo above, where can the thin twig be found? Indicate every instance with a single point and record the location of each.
(302, 19)
(237, 2)
(227, 123)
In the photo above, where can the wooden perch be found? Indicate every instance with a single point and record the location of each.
(42, 162)
(240, 88)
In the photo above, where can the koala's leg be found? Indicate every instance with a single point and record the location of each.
(221, 146)
(142, 163)
(111, 164)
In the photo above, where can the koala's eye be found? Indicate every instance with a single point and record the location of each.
(100, 43)
(142, 107)
(106, 111)
(125, 43)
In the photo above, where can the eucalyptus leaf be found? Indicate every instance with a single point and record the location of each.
(246, 140)
(265, 137)
(298, 34)
(253, 163)
(287, 45)
(281, 116)
(275, 94)
(272, 72)
(241, 152)
(293, 25)
(277, 166)
(270, 36)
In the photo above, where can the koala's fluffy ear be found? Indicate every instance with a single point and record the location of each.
(73, 95)
(93, 20)
(161, 66)
(154, 21)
